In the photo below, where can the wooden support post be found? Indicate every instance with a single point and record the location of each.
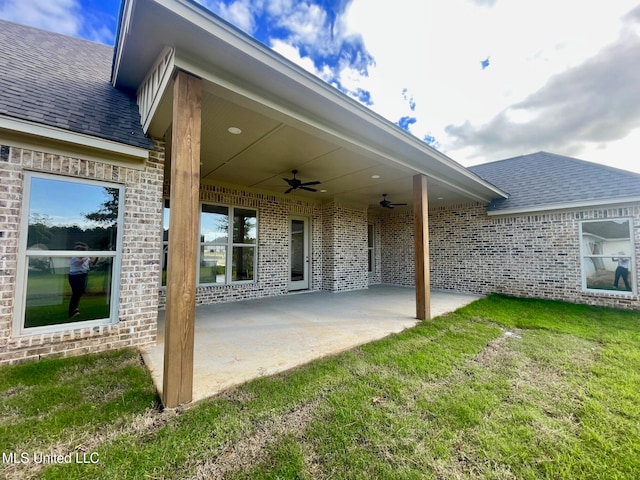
(421, 248)
(183, 241)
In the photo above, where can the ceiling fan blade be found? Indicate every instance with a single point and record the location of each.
(289, 191)
(398, 204)
(302, 187)
(316, 182)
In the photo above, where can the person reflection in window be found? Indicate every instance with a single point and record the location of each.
(78, 277)
(622, 271)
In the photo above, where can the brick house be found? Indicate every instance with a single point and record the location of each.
(190, 126)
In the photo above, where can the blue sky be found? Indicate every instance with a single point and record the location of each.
(64, 203)
(561, 76)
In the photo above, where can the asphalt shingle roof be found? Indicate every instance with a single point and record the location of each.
(64, 82)
(545, 179)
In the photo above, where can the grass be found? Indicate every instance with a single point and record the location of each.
(501, 389)
(59, 405)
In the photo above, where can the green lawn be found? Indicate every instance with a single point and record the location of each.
(501, 389)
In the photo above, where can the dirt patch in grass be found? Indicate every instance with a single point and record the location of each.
(496, 348)
(250, 450)
(539, 404)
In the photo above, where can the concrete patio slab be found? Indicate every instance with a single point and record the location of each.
(236, 342)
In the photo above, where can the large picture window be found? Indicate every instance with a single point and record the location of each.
(71, 251)
(607, 255)
(224, 258)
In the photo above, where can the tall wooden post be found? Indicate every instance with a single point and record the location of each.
(421, 247)
(183, 241)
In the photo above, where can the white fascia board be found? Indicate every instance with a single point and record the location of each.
(66, 136)
(566, 206)
(123, 30)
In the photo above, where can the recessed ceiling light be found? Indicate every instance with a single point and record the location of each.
(323, 191)
(375, 176)
(440, 198)
(234, 130)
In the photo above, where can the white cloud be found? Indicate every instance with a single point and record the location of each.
(396, 38)
(292, 54)
(239, 13)
(580, 109)
(67, 17)
(306, 24)
(61, 16)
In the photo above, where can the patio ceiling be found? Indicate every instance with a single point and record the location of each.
(289, 119)
(268, 149)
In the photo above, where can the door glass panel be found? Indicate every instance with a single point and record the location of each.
(166, 216)
(297, 250)
(370, 246)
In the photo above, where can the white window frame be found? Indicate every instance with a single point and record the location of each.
(230, 244)
(24, 253)
(587, 255)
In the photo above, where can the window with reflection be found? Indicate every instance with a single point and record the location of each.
(220, 247)
(214, 244)
(244, 245)
(607, 259)
(72, 251)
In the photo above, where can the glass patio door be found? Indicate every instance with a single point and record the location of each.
(298, 253)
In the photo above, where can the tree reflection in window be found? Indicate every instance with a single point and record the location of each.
(228, 237)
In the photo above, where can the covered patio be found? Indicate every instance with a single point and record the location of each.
(239, 341)
(233, 122)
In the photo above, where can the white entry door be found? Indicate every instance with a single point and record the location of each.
(298, 253)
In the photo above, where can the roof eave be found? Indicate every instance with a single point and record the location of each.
(607, 202)
(78, 140)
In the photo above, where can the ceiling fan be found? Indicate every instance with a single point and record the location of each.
(387, 203)
(296, 184)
